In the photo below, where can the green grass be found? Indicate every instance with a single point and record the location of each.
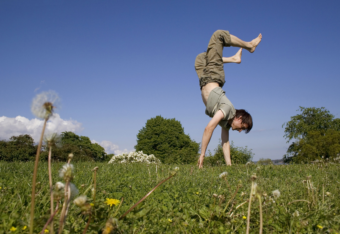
(183, 204)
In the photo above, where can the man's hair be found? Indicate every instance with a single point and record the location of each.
(246, 118)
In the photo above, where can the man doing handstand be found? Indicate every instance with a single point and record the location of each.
(209, 68)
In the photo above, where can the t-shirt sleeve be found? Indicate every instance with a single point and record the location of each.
(227, 111)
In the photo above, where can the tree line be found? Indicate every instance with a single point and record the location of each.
(23, 148)
(164, 138)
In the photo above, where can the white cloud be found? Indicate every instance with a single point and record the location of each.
(21, 125)
(112, 148)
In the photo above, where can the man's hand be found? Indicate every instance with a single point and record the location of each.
(200, 161)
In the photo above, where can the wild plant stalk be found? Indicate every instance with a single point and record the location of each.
(238, 207)
(252, 191)
(225, 178)
(323, 194)
(67, 198)
(232, 197)
(65, 205)
(148, 194)
(51, 184)
(94, 196)
(261, 219)
(50, 220)
(35, 177)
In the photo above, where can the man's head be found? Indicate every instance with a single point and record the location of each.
(242, 121)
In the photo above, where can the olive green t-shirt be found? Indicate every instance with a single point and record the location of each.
(217, 100)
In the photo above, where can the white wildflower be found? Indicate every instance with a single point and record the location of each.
(80, 201)
(176, 168)
(223, 175)
(44, 104)
(276, 193)
(66, 171)
(328, 193)
(135, 157)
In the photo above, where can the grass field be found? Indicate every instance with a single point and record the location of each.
(193, 201)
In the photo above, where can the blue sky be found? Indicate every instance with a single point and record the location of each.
(116, 64)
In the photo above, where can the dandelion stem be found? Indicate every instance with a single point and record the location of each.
(323, 194)
(261, 219)
(63, 211)
(51, 218)
(145, 197)
(120, 204)
(226, 182)
(87, 225)
(35, 177)
(298, 201)
(249, 207)
(51, 188)
(231, 199)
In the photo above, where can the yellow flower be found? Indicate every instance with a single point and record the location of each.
(197, 193)
(46, 231)
(110, 202)
(13, 229)
(244, 217)
(24, 228)
(91, 204)
(170, 220)
(319, 226)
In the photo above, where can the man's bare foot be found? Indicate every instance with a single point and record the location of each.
(254, 43)
(237, 56)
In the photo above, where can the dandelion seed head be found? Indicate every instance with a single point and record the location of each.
(276, 193)
(44, 104)
(80, 201)
(223, 175)
(59, 185)
(52, 139)
(296, 214)
(74, 191)
(66, 172)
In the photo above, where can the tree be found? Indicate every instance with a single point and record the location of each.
(310, 129)
(264, 161)
(18, 148)
(165, 138)
(80, 146)
(315, 145)
(238, 155)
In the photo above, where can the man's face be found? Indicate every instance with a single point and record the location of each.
(237, 124)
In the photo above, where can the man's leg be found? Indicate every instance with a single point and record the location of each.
(233, 59)
(250, 46)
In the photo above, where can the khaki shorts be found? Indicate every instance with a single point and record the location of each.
(217, 100)
(209, 65)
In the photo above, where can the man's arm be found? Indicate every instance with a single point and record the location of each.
(208, 131)
(226, 146)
